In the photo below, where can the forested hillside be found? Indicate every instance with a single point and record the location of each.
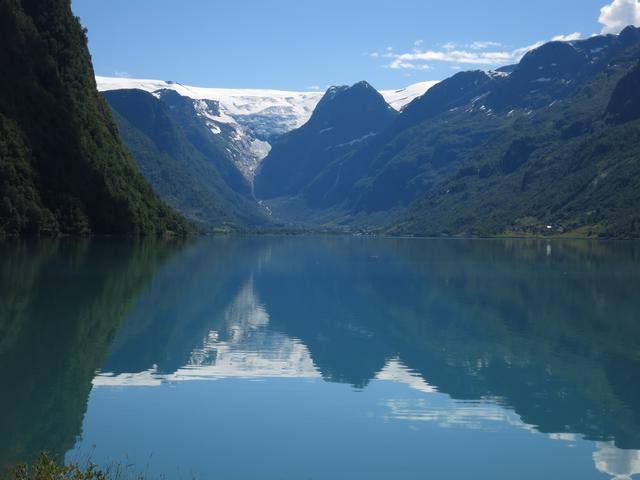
(63, 168)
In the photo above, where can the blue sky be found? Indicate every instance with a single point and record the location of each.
(300, 45)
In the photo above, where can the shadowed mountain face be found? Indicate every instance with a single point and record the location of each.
(186, 162)
(624, 105)
(63, 168)
(344, 118)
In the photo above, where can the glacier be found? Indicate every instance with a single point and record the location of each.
(255, 117)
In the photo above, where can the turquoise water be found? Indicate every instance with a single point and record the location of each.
(324, 357)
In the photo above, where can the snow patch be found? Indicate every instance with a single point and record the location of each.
(496, 74)
(354, 141)
(398, 99)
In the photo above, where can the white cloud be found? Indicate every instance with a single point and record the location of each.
(619, 14)
(387, 54)
(567, 38)
(492, 54)
(121, 74)
(614, 17)
(458, 56)
(313, 87)
(480, 53)
(450, 53)
(399, 64)
(484, 45)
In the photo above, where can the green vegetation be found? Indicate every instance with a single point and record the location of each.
(569, 167)
(63, 168)
(45, 468)
(183, 163)
(563, 170)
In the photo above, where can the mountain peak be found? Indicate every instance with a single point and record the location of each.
(359, 97)
(345, 119)
(362, 84)
(630, 35)
(555, 55)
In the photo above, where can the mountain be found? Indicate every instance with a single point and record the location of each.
(344, 118)
(368, 188)
(201, 147)
(185, 157)
(250, 119)
(63, 168)
(245, 119)
(555, 149)
(545, 146)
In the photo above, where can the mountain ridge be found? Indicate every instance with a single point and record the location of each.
(421, 170)
(255, 116)
(489, 129)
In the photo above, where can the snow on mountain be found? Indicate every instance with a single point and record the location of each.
(255, 116)
(399, 98)
(245, 147)
(264, 112)
(288, 109)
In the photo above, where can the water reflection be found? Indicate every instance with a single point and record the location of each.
(245, 349)
(531, 336)
(620, 464)
(61, 303)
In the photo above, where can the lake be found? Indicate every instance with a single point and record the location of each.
(323, 357)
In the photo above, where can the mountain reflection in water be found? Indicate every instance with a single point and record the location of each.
(530, 336)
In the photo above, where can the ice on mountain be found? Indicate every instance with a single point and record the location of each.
(252, 117)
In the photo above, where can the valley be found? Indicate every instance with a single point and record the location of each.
(473, 155)
(546, 146)
(327, 277)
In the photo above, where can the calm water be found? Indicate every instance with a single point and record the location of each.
(324, 358)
